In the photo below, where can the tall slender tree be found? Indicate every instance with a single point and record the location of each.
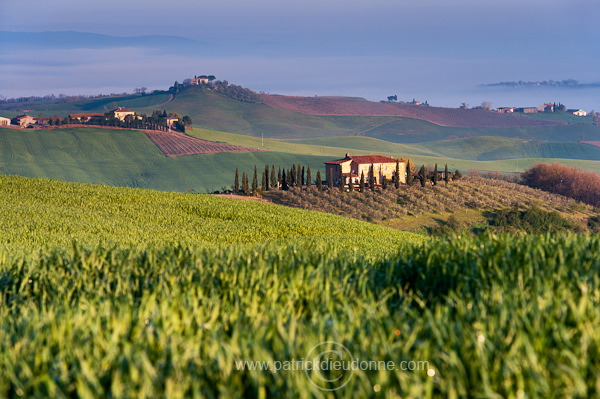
(383, 182)
(273, 178)
(423, 175)
(350, 184)
(266, 188)
(372, 177)
(292, 176)
(284, 183)
(341, 180)
(263, 182)
(299, 175)
(319, 181)
(236, 183)
(330, 179)
(397, 174)
(308, 178)
(302, 177)
(446, 175)
(245, 188)
(435, 175)
(361, 185)
(279, 178)
(410, 178)
(255, 182)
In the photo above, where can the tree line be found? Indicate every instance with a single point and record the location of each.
(300, 176)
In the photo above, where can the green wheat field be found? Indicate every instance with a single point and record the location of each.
(132, 293)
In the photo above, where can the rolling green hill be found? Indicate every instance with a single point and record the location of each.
(213, 111)
(129, 158)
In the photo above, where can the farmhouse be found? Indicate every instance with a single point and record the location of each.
(577, 112)
(170, 121)
(4, 121)
(84, 117)
(506, 110)
(23, 120)
(352, 166)
(199, 81)
(120, 113)
(527, 110)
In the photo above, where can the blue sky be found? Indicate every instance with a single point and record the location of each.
(432, 50)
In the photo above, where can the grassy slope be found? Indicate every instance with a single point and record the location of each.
(41, 212)
(126, 158)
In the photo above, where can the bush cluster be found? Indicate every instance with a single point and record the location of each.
(565, 180)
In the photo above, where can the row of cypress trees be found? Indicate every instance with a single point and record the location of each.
(299, 176)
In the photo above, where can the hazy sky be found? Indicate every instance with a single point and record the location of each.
(437, 50)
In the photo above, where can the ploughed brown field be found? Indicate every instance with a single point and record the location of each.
(174, 144)
(453, 117)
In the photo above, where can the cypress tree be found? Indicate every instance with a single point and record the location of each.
(423, 175)
(361, 185)
(330, 179)
(299, 175)
(319, 181)
(255, 182)
(446, 175)
(263, 183)
(236, 183)
(350, 184)
(245, 183)
(397, 175)
(410, 178)
(372, 177)
(302, 177)
(435, 175)
(273, 178)
(284, 183)
(308, 178)
(341, 180)
(292, 176)
(279, 178)
(383, 182)
(266, 185)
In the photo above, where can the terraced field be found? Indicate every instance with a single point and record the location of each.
(175, 144)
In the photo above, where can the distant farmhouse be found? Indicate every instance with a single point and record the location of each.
(352, 166)
(577, 112)
(120, 113)
(4, 121)
(23, 120)
(526, 110)
(84, 117)
(506, 110)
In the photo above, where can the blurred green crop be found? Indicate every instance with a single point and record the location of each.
(493, 316)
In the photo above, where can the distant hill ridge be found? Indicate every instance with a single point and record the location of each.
(452, 117)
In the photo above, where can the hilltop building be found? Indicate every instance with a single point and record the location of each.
(4, 121)
(352, 166)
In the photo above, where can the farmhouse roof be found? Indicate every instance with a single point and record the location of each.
(74, 116)
(364, 159)
(122, 109)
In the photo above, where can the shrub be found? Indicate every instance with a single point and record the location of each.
(565, 180)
